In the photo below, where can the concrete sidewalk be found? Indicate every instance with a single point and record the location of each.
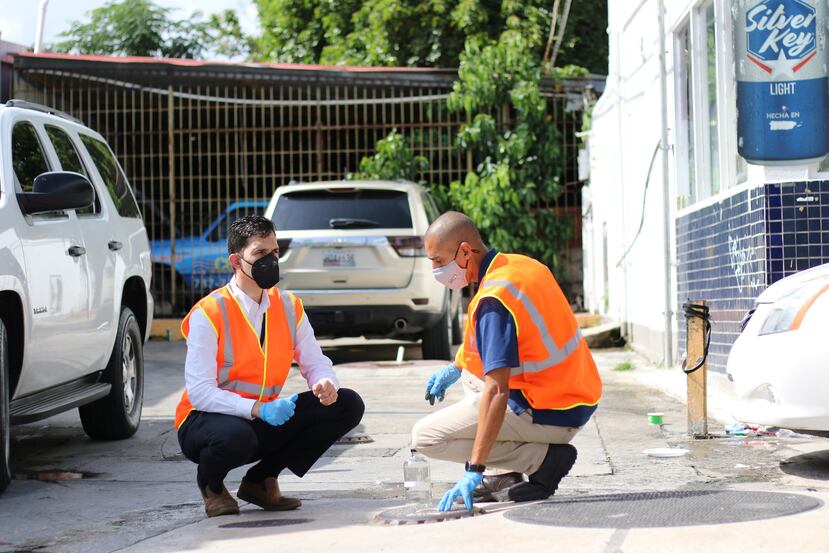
(354, 481)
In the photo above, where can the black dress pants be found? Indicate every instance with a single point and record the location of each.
(219, 443)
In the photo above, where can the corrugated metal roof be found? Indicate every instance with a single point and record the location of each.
(181, 62)
(147, 69)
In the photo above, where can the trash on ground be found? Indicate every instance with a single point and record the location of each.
(665, 452)
(655, 418)
(737, 429)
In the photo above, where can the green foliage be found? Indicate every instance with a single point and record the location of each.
(518, 160)
(568, 72)
(587, 120)
(393, 160)
(624, 366)
(142, 28)
(430, 33)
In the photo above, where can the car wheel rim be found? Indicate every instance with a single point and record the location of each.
(128, 371)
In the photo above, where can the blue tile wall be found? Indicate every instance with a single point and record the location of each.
(727, 253)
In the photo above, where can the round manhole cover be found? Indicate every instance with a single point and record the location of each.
(662, 509)
(420, 514)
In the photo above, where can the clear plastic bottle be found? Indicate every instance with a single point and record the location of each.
(417, 480)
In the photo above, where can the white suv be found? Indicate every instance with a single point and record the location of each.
(75, 306)
(353, 251)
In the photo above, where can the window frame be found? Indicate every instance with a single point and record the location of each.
(731, 168)
(98, 208)
(683, 98)
(699, 88)
(93, 166)
(18, 185)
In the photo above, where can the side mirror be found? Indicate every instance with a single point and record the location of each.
(57, 191)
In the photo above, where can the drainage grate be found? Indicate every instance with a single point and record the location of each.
(52, 475)
(663, 509)
(269, 523)
(419, 514)
(356, 439)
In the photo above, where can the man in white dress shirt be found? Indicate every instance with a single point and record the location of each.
(241, 341)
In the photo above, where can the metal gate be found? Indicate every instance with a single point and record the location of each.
(202, 145)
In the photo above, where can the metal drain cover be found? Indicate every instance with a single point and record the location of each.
(662, 509)
(420, 514)
(356, 439)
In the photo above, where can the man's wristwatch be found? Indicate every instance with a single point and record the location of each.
(475, 468)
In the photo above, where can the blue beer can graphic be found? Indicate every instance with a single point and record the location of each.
(782, 84)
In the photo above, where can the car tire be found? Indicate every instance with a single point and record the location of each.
(457, 331)
(5, 426)
(117, 415)
(437, 340)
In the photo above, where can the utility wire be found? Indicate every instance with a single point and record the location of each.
(644, 201)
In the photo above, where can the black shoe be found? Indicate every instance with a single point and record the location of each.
(544, 482)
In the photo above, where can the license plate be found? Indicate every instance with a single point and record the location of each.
(338, 258)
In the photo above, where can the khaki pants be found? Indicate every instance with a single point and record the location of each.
(520, 445)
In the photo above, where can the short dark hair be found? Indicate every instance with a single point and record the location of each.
(244, 228)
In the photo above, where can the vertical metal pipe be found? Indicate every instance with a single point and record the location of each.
(171, 189)
(666, 188)
(320, 164)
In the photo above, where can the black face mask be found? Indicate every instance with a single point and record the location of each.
(265, 271)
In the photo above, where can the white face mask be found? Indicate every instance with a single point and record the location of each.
(451, 275)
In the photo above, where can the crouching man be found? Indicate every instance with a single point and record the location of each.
(241, 341)
(532, 382)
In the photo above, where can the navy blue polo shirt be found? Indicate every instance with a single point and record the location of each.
(497, 338)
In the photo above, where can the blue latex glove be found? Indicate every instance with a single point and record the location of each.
(440, 381)
(468, 482)
(278, 411)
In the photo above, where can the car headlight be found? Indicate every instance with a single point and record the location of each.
(788, 312)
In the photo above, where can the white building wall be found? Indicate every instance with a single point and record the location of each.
(625, 132)
(621, 196)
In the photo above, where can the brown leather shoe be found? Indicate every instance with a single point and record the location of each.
(217, 504)
(266, 494)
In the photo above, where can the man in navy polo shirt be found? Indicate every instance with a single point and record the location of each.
(549, 365)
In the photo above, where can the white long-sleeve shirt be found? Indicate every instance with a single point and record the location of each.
(202, 345)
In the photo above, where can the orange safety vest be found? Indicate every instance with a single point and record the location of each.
(243, 365)
(556, 369)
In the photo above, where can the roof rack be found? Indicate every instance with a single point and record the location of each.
(23, 104)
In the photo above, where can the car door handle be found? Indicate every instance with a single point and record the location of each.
(115, 245)
(76, 251)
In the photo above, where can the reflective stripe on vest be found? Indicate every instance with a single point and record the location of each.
(290, 316)
(224, 381)
(239, 367)
(555, 369)
(556, 355)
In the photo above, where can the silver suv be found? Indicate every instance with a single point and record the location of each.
(352, 250)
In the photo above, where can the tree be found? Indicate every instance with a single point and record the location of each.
(393, 159)
(141, 28)
(518, 157)
(429, 33)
